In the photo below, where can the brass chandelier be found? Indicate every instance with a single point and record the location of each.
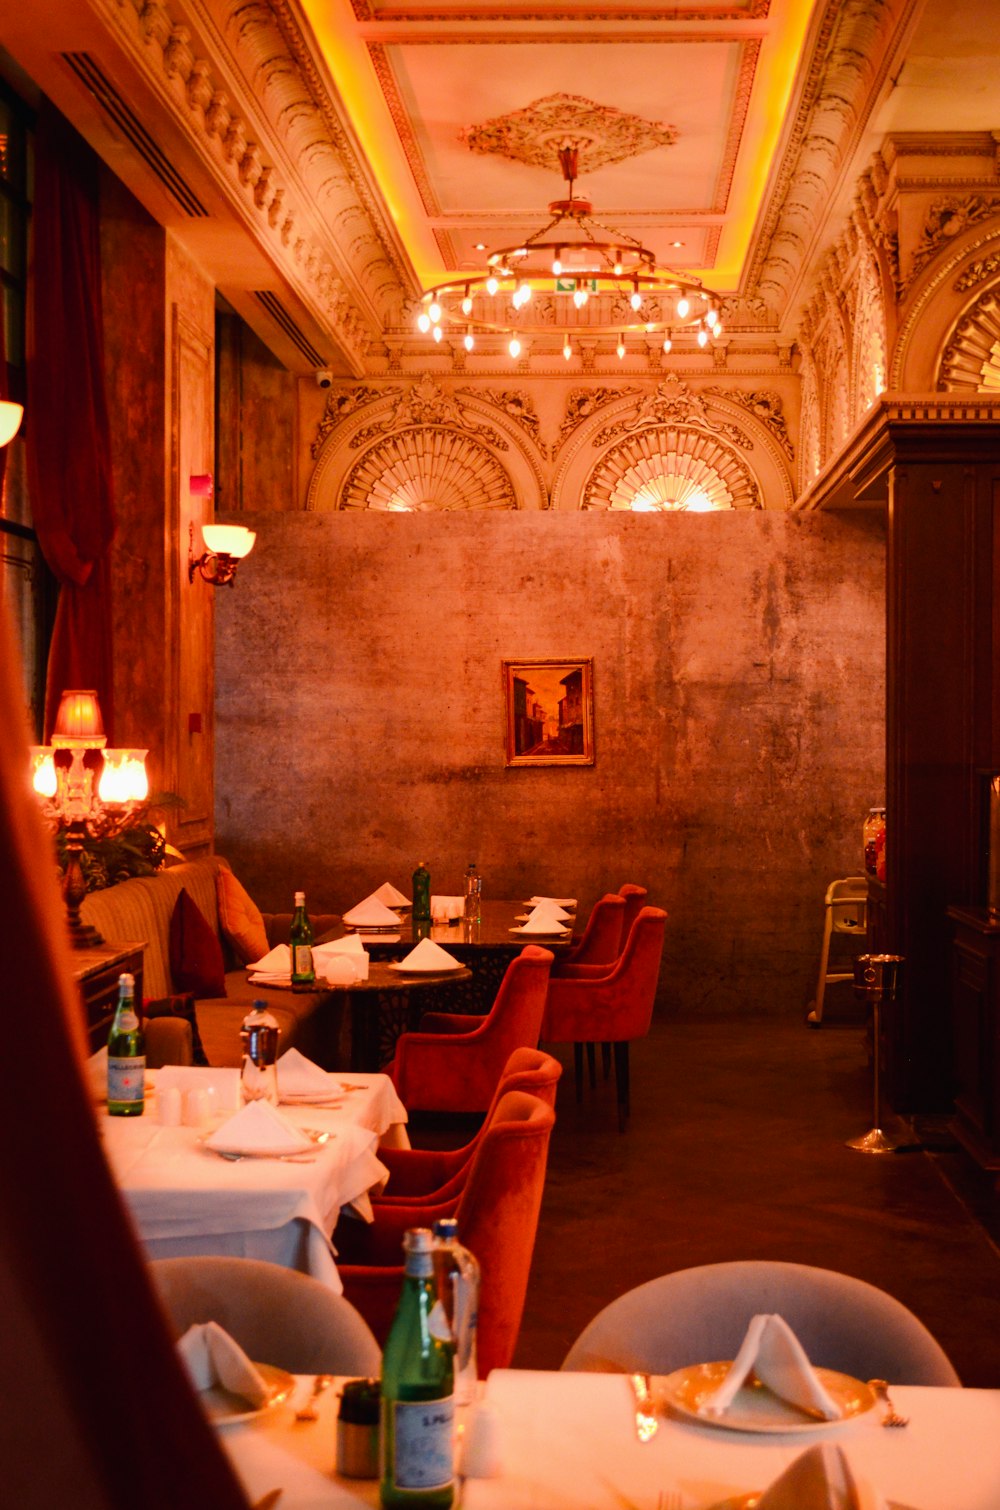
(574, 277)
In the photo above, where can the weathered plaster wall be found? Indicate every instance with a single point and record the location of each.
(739, 682)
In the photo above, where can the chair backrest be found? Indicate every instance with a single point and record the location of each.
(276, 1315)
(515, 1017)
(847, 900)
(602, 937)
(615, 1007)
(700, 1315)
(498, 1218)
(635, 900)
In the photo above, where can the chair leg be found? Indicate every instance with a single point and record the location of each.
(621, 1083)
(815, 1016)
(606, 1059)
(578, 1068)
(592, 1066)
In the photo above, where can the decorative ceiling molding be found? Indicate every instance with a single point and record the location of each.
(535, 134)
(766, 406)
(735, 10)
(852, 50)
(427, 403)
(518, 406)
(583, 403)
(341, 406)
(672, 402)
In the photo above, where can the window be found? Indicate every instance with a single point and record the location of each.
(26, 583)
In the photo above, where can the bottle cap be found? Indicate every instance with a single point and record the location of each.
(259, 1006)
(359, 1401)
(300, 899)
(126, 983)
(418, 1240)
(446, 1226)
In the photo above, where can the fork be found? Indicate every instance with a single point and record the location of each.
(891, 1416)
(309, 1412)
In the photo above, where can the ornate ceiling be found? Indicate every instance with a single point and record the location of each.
(325, 159)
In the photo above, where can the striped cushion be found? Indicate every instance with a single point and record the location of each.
(139, 911)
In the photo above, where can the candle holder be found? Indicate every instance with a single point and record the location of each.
(876, 980)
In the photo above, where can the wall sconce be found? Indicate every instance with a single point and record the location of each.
(11, 415)
(225, 547)
(85, 790)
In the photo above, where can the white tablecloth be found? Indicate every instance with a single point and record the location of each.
(186, 1200)
(568, 1443)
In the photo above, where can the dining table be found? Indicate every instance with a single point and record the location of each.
(568, 1441)
(185, 1199)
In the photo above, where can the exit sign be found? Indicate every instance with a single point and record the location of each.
(570, 285)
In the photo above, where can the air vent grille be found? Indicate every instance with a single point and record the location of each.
(96, 81)
(279, 314)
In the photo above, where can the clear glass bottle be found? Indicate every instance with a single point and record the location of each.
(258, 1072)
(422, 894)
(300, 944)
(417, 1452)
(473, 893)
(456, 1272)
(126, 1056)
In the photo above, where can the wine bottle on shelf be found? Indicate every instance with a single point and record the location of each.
(473, 893)
(300, 944)
(456, 1271)
(422, 894)
(126, 1056)
(417, 1453)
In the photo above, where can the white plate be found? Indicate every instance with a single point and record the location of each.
(225, 1409)
(533, 933)
(232, 1150)
(401, 968)
(568, 902)
(755, 1408)
(334, 1098)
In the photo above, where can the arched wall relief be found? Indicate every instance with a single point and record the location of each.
(659, 449)
(425, 447)
(940, 301)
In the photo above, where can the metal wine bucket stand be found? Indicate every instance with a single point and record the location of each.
(876, 980)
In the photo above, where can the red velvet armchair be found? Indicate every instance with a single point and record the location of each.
(610, 1005)
(497, 1215)
(432, 1175)
(454, 1062)
(635, 900)
(602, 938)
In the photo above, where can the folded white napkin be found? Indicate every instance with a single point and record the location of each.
(341, 961)
(445, 908)
(559, 901)
(820, 1479)
(550, 910)
(211, 1356)
(371, 913)
(542, 922)
(429, 956)
(772, 1351)
(388, 894)
(298, 1077)
(277, 961)
(258, 1128)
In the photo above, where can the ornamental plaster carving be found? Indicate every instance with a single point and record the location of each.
(583, 403)
(425, 403)
(668, 467)
(765, 405)
(517, 405)
(978, 272)
(672, 402)
(340, 407)
(946, 219)
(428, 467)
(534, 135)
(971, 359)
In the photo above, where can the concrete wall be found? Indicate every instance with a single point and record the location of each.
(739, 684)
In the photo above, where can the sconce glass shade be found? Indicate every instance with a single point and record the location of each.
(124, 778)
(79, 719)
(228, 540)
(11, 415)
(43, 771)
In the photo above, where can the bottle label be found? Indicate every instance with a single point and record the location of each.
(126, 1078)
(302, 959)
(424, 1436)
(127, 1022)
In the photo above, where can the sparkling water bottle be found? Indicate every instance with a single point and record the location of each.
(126, 1056)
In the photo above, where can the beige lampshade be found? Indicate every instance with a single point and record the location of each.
(228, 539)
(79, 718)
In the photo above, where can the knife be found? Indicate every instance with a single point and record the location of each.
(646, 1424)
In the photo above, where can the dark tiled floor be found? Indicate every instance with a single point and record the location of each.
(736, 1150)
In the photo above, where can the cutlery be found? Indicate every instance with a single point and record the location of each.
(646, 1424)
(282, 1158)
(308, 1412)
(891, 1417)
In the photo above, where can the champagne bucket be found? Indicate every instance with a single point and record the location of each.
(877, 975)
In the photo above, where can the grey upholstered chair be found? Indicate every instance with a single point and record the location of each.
(276, 1315)
(701, 1315)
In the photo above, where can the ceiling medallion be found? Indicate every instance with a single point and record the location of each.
(573, 277)
(531, 135)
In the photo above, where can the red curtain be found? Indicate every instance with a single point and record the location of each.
(68, 438)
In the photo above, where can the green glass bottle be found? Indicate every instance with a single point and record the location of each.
(422, 894)
(126, 1056)
(300, 943)
(417, 1452)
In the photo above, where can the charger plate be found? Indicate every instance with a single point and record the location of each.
(755, 1408)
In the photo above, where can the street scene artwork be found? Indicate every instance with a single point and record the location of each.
(549, 709)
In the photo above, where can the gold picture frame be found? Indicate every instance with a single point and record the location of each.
(549, 712)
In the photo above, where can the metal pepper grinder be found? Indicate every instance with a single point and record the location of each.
(876, 980)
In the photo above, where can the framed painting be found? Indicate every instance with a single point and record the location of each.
(549, 712)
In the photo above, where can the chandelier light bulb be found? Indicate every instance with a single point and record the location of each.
(435, 312)
(437, 332)
(712, 319)
(621, 351)
(580, 298)
(423, 321)
(469, 341)
(556, 267)
(567, 349)
(667, 344)
(683, 308)
(618, 268)
(467, 305)
(525, 292)
(716, 333)
(636, 300)
(515, 347)
(491, 285)
(703, 338)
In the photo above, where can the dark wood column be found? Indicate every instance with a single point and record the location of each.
(935, 465)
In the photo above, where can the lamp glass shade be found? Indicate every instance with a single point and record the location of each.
(11, 415)
(228, 540)
(79, 717)
(123, 778)
(43, 771)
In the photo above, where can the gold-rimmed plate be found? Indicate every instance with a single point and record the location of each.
(223, 1408)
(755, 1408)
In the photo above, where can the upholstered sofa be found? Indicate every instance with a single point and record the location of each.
(140, 910)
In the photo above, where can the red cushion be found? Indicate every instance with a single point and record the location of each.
(196, 962)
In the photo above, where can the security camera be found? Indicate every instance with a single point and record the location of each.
(324, 377)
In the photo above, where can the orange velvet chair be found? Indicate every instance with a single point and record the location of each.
(635, 901)
(610, 1005)
(602, 939)
(497, 1216)
(432, 1175)
(454, 1062)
